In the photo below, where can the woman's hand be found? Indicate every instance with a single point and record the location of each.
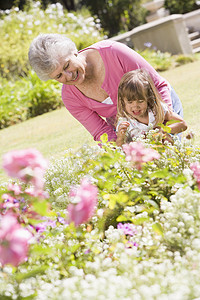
(121, 133)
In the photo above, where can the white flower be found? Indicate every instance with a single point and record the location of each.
(37, 22)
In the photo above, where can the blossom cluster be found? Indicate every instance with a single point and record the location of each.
(132, 220)
(195, 167)
(138, 154)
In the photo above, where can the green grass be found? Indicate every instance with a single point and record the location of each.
(54, 132)
(51, 133)
(186, 82)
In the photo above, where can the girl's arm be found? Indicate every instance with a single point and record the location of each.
(177, 127)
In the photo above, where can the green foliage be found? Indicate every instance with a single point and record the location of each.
(159, 60)
(27, 98)
(184, 59)
(162, 61)
(181, 6)
(160, 202)
(18, 28)
(117, 15)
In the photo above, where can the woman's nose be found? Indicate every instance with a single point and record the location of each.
(68, 75)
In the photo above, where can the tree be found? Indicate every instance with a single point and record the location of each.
(180, 6)
(117, 15)
(68, 4)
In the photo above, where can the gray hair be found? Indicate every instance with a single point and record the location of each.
(45, 52)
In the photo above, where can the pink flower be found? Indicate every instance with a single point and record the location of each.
(195, 167)
(137, 153)
(41, 227)
(85, 199)
(127, 228)
(14, 188)
(41, 194)
(13, 241)
(27, 165)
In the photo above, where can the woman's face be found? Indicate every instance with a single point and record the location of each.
(136, 108)
(71, 70)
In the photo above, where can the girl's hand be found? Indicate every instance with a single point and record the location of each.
(123, 128)
(121, 133)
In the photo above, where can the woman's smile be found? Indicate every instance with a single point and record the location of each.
(70, 71)
(75, 76)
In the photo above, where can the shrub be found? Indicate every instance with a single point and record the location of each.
(18, 28)
(27, 98)
(162, 61)
(184, 59)
(159, 60)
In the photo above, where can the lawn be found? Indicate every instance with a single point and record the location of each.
(54, 132)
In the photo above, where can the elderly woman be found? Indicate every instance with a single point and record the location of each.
(90, 78)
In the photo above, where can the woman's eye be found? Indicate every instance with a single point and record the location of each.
(58, 76)
(65, 67)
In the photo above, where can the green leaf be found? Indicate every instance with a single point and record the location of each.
(157, 228)
(112, 202)
(104, 138)
(32, 273)
(140, 220)
(41, 207)
(172, 122)
(162, 173)
(121, 218)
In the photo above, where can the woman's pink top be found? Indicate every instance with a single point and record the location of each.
(118, 59)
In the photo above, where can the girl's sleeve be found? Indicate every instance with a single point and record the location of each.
(89, 119)
(131, 60)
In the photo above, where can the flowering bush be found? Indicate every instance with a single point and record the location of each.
(18, 28)
(107, 222)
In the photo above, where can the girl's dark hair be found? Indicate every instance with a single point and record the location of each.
(138, 85)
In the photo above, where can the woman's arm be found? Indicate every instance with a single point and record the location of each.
(92, 122)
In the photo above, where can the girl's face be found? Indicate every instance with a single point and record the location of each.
(71, 70)
(136, 108)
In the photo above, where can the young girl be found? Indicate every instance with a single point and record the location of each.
(141, 108)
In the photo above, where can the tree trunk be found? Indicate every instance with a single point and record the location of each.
(69, 4)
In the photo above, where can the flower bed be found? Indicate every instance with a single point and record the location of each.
(116, 224)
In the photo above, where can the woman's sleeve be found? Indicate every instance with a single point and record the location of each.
(95, 124)
(131, 60)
